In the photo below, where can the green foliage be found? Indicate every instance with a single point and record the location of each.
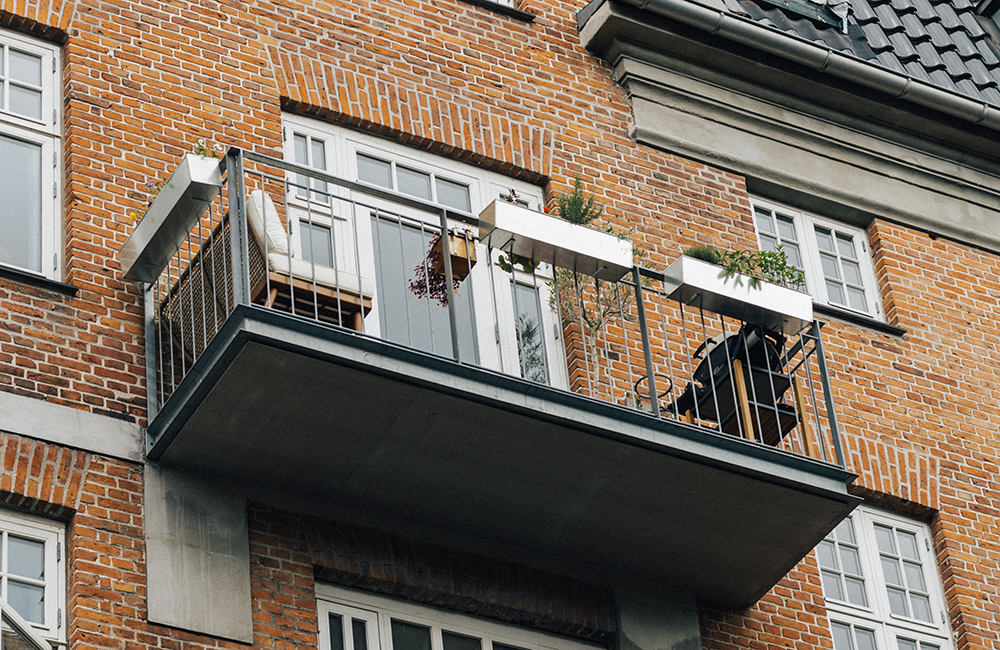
(770, 266)
(576, 207)
(527, 264)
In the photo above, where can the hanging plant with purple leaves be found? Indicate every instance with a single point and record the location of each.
(428, 283)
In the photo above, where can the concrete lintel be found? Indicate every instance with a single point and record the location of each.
(197, 555)
(62, 425)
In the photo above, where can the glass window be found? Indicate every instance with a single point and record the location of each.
(834, 257)
(30, 579)
(383, 623)
(530, 335)
(881, 585)
(29, 149)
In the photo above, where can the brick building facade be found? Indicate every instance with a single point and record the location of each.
(655, 109)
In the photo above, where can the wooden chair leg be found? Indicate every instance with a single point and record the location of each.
(689, 416)
(272, 297)
(744, 401)
(358, 321)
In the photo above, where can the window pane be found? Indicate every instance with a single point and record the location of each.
(824, 239)
(764, 221)
(768, 243)
(845, 531)
(336, 632)
(359, 632)
(530, 334)
(317, 245)
(302, 158)
(851, 560)
(835, 292)
(827, 556)
(25, 67)
(10, 638)
(21, 207)
(852, 272)
(830, 267)
(866, 638)
(318, 154)
(842, 636)
(914, 576)
(831, 586)
(25, 101)
(897, 602)
(416, 321)
(27, 600)
(454, 641)
(883, 536)
(504, 646)
(890, 569)
(26, 558)
(906, 644)
(845, 244)
(856, 592)
(407, 636)
(857, 297)
(921, 607)
(792, 253)
(452, 194)
(414, 183)
(786, 228)
(374, 171)
(907, 545)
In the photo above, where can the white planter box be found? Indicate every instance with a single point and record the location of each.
(175, 211)
(514, 228)
(698, 283)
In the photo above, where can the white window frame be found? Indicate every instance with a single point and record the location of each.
(877, 615)
(379, 611)
(45, 132)
(342, 147)
(53, 535)
(805, 230)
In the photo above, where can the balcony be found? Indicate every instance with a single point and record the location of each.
(495, 376)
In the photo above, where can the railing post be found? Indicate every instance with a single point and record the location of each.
(152, 363)
(238, 227)
(831, 411)
(449, 287)
(647, 350)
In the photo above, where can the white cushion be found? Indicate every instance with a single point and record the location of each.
(324, 275)
(265, 222)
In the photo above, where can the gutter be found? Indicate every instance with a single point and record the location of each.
(799, 50)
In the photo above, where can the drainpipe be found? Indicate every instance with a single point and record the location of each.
(851, 68)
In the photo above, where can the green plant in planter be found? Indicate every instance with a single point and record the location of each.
(770, 266)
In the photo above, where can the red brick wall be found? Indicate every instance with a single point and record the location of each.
(144, 80)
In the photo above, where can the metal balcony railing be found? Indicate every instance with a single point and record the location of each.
(257, 230)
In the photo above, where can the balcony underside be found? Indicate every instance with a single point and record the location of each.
(368, 424)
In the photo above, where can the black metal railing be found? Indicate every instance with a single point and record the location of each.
(382, 264)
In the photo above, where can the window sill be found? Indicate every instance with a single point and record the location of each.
(25, 277)
(858, 319)
(506, 10)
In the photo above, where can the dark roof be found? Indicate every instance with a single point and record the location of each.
(940, 42)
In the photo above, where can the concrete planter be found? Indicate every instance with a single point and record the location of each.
(536, 235)
(700, 284)
(175, 211)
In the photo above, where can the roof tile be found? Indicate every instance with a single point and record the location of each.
(968, 18)
(889, 60)
(948, 16)
(960, 5)
(989, 56)
(877, 39)
(914, 27)
(941, 78)
(992, 95)
(955, 66)
(925, 11)
(902, 46)
(917, 71)
(887, 18)
(964, 44)
(940, 36)
(966, 87)
(863, 12)
(980, 75)
(929, 56)
(902, 6)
